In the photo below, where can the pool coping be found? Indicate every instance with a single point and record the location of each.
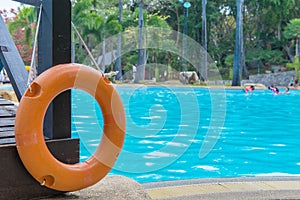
(265, 187)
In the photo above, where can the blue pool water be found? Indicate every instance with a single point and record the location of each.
(177, 133)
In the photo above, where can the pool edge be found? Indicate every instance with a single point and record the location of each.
(227, 188)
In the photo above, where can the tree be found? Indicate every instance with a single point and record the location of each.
(94, 26)
(239, 48)
(21, 26)
(296, 66)
(264, 25)
(292, 31)
(119, 61)
(140, 73)
(24, 20)
(204, 42)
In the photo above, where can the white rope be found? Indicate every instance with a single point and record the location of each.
(87, 49)
(32, 70)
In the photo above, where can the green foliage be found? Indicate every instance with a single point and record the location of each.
(157, 21)
(292, 30)
(229, 60)
(270, 57)
(265, 23)
(25, 20)
(295, 66)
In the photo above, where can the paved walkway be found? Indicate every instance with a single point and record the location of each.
(235, 188)
(122, 188)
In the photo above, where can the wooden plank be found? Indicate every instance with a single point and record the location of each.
(7, 122)
(4, 141)
(4, 113)
(6, 103)
(5, 135)
(6, 116)
(6, 129)
(17, 183)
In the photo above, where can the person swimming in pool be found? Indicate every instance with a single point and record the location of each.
(274, 89)
(287, 91)
(249, 89)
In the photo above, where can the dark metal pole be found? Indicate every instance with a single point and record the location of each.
(186, 6)
(185, 35)
(55, 48)
(184, 39)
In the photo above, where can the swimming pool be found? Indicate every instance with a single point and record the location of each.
(178, 133)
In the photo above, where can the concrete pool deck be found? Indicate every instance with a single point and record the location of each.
(122, 188)
(226, 188)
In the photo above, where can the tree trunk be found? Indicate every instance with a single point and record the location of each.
(178, 27)
(140, 73)
(103, 54)
(246, 72)
(204, 42)
(297, 47)
(288, 51)
(119, 61)
(238, 51)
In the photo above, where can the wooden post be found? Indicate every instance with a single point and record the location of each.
(55, 48)
(1, 65)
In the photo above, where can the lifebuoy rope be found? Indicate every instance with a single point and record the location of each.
(87, 49)
(32, 70)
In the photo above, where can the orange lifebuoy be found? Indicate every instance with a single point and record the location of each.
(36, 157)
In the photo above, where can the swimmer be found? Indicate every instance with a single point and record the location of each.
(287, 91)
(249, 88)
(275, 90)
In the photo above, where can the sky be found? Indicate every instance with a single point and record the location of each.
(8, 4)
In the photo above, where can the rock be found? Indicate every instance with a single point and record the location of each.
(109, 188)
(189, 77)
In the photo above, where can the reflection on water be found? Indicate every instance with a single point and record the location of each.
(166, 129)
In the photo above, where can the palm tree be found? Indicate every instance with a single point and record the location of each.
(140, 73)
(94, 26)
(292, 31)
(88, 23)
(204, 42)
(239, 47)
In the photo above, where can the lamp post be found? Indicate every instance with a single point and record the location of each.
(186, 5)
